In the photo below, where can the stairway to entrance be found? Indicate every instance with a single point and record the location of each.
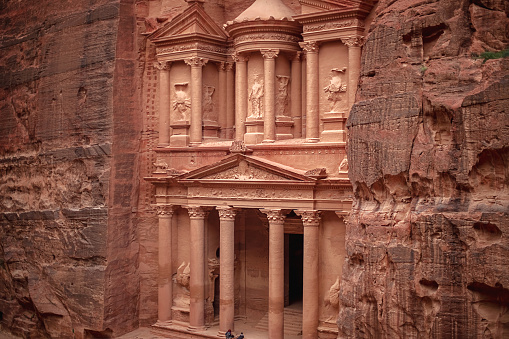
(293, 322)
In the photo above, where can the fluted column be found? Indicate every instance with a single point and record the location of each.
(310, 284)
(354, 66)
(276, 273)
(269, 118)
(196, 132)
(197, 282)
(164, 102)
(312, 91)
(296, 94)
(230, 100)
(164, 282)
(240, 95)
(226, 267)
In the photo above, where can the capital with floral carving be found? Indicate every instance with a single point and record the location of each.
(237, 57)
(196, 61)
(162, 65)
(275, 216)
(310, 218)
(226, 212)
(297, 56)
(197, 212)
(164, 210)
(269, 53)
(354, 41)
(309, 46)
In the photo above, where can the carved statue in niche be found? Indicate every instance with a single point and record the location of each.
(182, 277)
(335, 89)
(332, 301)
(208, 103)
(282, 95)
(181, 103)
(256, 97)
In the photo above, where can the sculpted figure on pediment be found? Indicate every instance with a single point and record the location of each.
(256, 98)
(245, 172)
(336, 89)
(208, 103)
(181, 102)
(282, 95)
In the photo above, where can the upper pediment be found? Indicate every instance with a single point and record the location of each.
(193, 21)
(240, 167)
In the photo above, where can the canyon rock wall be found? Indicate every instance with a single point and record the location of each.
(428, 237)
(69, 136)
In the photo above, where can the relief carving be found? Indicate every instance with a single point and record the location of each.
(160, 166)
(331, 301)
(208, 103)
(182, 278)
(255, 97)
(282, 95)
(181, 102)
(245, 172)
(336, 89)
(343, 166)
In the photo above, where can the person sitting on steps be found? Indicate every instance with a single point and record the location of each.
(229, 334)
(241, 336)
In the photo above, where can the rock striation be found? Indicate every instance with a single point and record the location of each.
(428, 236)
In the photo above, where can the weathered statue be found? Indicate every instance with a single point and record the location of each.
(335, 89)
(181, 103)
(208, 104)
(255, 97)
(282, 94)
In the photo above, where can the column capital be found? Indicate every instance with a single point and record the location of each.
(309, 46)
(269, 53)
(197, 212)
(275, 216)
(196, 61)
(237, 57)
(226, 212)
(342, 215)
(162, 65)
(164, 210)
(297, 56)
(310, 218)
(225, 66)
(353, 41)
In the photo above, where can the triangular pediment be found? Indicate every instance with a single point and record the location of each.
(194, 20)
(240, 167)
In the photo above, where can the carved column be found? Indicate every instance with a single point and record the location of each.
(222, 93)
(226, 268)
(164, 283)
(296, 95)
(196, 99)
(312, 91)
(276, 273)
(354, 66)
(240, 95)
(230, 100)
(269, 118)
(310, 284)
(197, 281)
(164, 102)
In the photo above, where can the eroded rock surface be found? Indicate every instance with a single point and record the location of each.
(428, 237)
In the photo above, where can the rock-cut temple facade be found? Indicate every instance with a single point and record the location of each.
(251, 173)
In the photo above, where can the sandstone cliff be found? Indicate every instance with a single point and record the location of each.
(69, 137)
(428, 238)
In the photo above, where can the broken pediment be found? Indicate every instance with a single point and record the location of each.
(193, 21)
(247, 168)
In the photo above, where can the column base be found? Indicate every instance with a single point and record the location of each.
(254, 131)
(180, 135)
(268, 141)
(312, 140)
(196, 328)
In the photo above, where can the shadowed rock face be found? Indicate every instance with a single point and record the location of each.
(428, 237)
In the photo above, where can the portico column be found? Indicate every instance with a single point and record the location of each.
(296, 94)
(164, 283)
(230, 100)
(312, 91)
(310, 287)
(276, 272)
(354, 66)
(164, 102)
(226, 268)
(196, 132)
(240, 95)
(197, 217)
(222, 99)
(269, 118)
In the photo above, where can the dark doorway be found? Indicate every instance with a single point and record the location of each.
(295, 263)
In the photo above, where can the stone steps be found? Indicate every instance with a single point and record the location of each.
(293, 322)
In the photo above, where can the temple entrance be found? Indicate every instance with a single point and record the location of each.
(295, 268)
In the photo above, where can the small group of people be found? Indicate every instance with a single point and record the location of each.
(229, 335)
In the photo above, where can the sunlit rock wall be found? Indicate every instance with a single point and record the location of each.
(69, 137)
(428, 238)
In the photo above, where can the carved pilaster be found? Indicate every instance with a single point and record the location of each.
(228, 66)
(310, 218)
(196, 61)
(355, 41)
(237, 57)
(162, 65)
